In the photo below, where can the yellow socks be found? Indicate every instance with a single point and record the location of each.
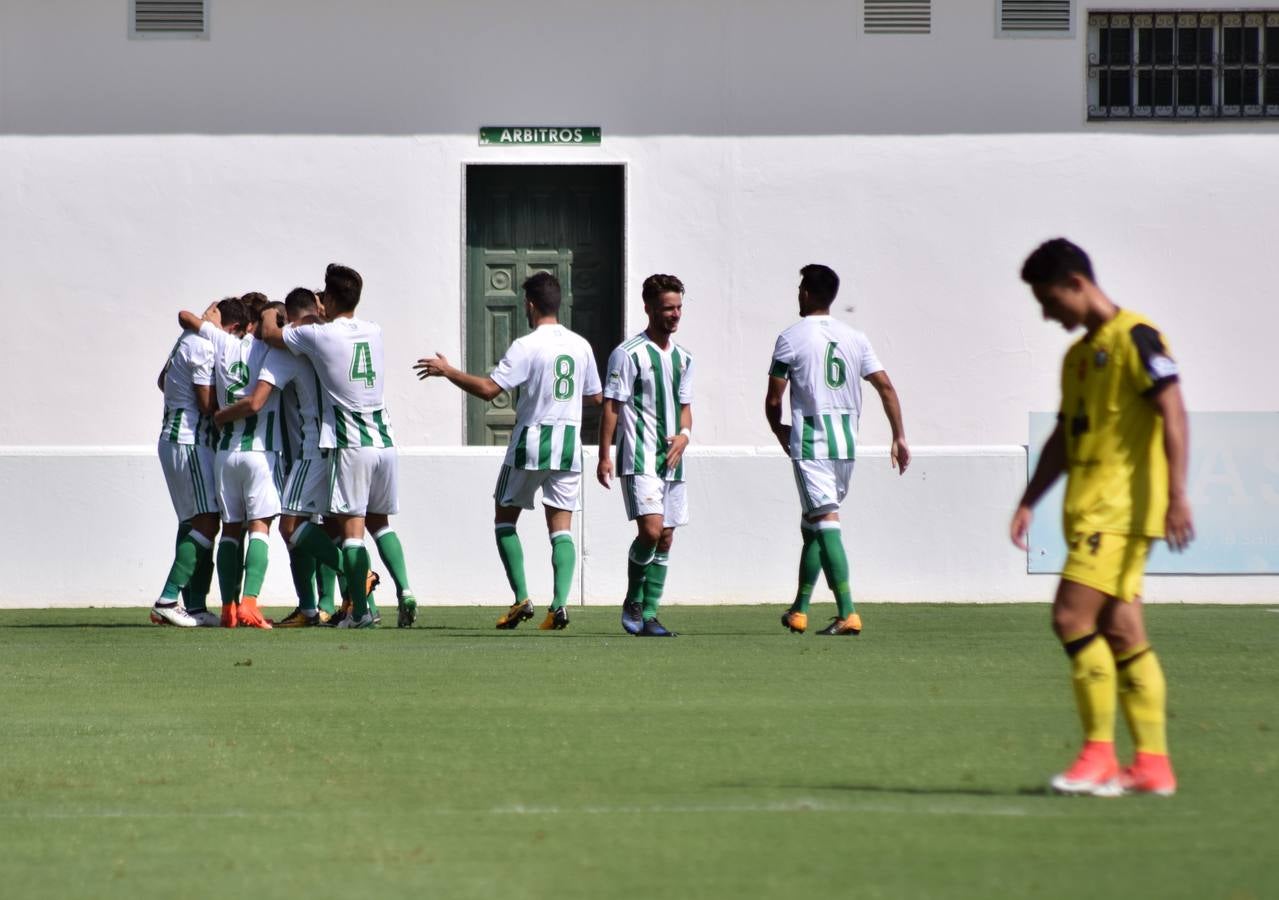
(1092, 670)
(1144, 696)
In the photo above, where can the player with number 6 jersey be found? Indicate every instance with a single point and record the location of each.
(823, 362)
(347, 354)
(554, 370)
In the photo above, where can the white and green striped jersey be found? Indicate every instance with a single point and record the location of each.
(238, 363)
(299, 396)
(825, 362)
(652, 385)
(190, 364)
(554, 368)
(348, 359)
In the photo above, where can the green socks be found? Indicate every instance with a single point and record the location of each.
(654, 583)
(255, 560)
(355, 562)
(810, 566)
(304, 569)
(835, 563)
(512, 553)
(392, 553)
(637, 561)
(312, 539)
(230, 568)
(196, 593)
(185, 559)
(563, 561)
(325, 580)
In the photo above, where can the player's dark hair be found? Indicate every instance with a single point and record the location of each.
(821, 283)
(342, 287)
(233, 313)
(542, 289)
(1054, 261)
(280, 312)
(656, 285)
(300, 302)
(255, 302)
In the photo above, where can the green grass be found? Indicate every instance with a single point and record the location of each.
(735, 761)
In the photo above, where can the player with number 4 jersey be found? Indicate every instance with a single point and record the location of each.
(823, 362)
(355, 428)
(554, 370)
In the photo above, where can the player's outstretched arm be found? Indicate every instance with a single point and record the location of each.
(1052, 462)
(437, 366)
(773, 411)
(245, 406)
(608, 426)
(1179, 526)
(900, 450)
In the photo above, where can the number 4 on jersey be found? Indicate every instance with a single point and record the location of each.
(362, 364)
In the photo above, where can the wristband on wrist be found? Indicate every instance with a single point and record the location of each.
(688, 433)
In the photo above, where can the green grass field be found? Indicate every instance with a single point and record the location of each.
(454, 760)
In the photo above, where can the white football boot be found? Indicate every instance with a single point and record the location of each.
(172, 615)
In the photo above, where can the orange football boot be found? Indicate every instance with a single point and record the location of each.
(230, 615)
(1150, 773)
(250, 615)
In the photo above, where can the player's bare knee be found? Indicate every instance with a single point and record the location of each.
(666, 539)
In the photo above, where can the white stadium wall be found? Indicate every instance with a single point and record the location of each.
(140, 177)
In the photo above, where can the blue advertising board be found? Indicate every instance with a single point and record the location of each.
(1234, 495)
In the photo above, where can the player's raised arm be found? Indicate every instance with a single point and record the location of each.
(438, 366)
(608, 426)
(1052, 462)
(900, 451)
(245, 406)
(1179, 524)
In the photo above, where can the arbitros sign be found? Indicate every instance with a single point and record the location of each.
(539, 135)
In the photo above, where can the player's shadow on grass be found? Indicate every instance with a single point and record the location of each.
(1037, 790)
(80, 625)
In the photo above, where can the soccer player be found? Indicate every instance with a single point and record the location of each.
(554, 370)
(824, 361)
(1123, 441)
(186, 456)
(649, 388)
(305, 492)
(249, 475)
(356, 430)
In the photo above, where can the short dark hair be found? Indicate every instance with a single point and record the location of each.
(542, 289)
(281, 315)
(656, 285)
(342, 287)
(233, 313)
(821, 283)
(300, 301)
(1054, 261)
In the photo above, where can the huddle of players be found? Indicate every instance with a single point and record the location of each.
(262, 421)
(1122, 439)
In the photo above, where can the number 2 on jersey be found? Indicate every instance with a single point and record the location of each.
(836, 371)
(563, 387)
(362, 364)
(240, 372)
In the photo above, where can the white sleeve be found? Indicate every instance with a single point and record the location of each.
(591, 383)
(213, 334)
(300, 339)
(783, 358)
(621, 375)
(870, 362)
(199, 356)
(686, 382)
(277, 368)
(512, 369)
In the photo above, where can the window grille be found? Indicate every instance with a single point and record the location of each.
(1174, 64)
(1034, 17)
(897, 16)
(168, 18)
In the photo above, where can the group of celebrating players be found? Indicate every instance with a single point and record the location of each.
(265, 419)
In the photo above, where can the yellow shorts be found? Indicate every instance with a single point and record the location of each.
(1112, 563)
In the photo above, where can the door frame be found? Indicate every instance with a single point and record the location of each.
(463, 263)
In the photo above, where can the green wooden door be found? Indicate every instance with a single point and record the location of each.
(566, 220)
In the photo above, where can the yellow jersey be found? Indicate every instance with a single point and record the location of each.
(1116, 469)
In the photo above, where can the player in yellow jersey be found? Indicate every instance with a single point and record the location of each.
(1123, 442)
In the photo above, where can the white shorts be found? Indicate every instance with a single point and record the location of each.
(188, 470)
(648, 495)
(306, 493)
(822, 484)
(249, 484)
(517, 487)
(364, 480)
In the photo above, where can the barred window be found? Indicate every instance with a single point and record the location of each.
(1156, 64)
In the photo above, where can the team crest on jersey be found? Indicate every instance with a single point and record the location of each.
(1101, 359)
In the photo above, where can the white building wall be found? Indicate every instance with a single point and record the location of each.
(139, 177)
